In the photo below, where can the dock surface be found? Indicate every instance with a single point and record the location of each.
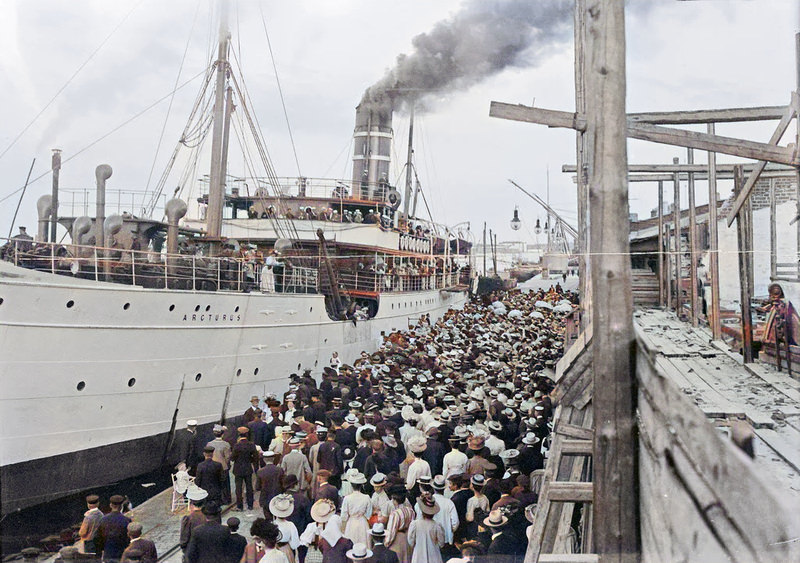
(725, 389)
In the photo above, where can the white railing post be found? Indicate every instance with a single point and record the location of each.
(133, 267)
(194, 272)
(96, 269)
(166, 267)
(219, 273)
(52, 258)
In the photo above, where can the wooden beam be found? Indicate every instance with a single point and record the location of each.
(727, 115)
(567, 491)
(661, 269)
(568, 558)
(577, 432)
(686, 168)
(716, 324)
(717, 143)
(676, 230)
(693, 255)
(701, 176)
(576, 447)
(655, 134)
(549, 117)
(745, 289)
(781, 128)
(616, 505)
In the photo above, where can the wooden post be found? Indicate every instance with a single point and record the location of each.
(676, 225)
(745, 249)
(661, 292)
(692, 241)
(797, 141)
(582, 143)
(484, 248)
(716, 326)
(615, 505)
(773, 234)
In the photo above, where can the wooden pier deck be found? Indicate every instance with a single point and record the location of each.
(724, 389)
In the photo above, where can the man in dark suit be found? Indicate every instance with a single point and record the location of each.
(211, 476)
(146, 547)
(268, 482)
(250, 413)
(112, 533)
(325, 489)
(434, 452)
(329, 456)
(188, 447)
(259, 430)
(211, 542)
(301, 514)
(238, 541)
(380, 553)
(245, 461)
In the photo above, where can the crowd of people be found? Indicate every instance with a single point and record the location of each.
(431, 449)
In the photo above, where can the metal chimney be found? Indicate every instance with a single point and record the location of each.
(101, 174)
(175, 210)
(56, 167)
(372, 146)
(44, 206)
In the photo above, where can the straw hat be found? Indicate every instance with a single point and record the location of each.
(323, 510)
(360, 552)
(281, 506)
(355, 477)
(495, 519)
(417, 444)
(428, 505)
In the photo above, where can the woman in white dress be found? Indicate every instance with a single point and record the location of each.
(281, 507)
(356, 510)
(426, 536)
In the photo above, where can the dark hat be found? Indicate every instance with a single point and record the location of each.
(233, 522)
(208, 449)
(92, 499)
(117, 499)
(211, 509)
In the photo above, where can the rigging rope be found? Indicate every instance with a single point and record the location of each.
(169, 109)
(280, 90)
(106, 135)
(69, 80)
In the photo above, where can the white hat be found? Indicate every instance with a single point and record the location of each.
(360, 552)
(417, 444)
(192, 422)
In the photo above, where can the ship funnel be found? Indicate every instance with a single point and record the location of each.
(101, 173)
(175, 209)
(372, 146)
(80, 227)
(44, 206)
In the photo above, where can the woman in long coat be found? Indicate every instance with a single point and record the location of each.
(356, 510)
(400, 519)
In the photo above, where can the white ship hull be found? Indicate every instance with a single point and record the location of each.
(96, 376)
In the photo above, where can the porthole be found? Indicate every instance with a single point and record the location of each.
(1, 300)
(126, 306)
(316, 363)
(238, 372)
(172, 307)
(236, 310)
(81, 385)
(197, 308)
(392, 305)
(70, 303)
(255, 371)
(325, 341)
(198, 376)
(298, 366)
(131, 382)
(309, 309)
(208, 308)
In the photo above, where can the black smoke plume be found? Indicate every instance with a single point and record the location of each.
(482, 39)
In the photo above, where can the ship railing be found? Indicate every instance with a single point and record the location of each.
(82, 201)
(378, 282)
(153, 269)
(315, 188)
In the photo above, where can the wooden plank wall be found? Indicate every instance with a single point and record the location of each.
(701, 498)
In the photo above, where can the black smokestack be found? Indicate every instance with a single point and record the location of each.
(482, 39)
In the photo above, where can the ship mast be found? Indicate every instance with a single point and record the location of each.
(407, 195)
(216, 190)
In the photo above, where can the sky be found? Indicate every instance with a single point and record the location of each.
(73, 72)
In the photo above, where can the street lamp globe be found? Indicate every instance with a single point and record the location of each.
(515, 222)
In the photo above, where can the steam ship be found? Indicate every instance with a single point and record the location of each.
(111, 342)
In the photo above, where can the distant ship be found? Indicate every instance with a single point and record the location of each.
(110, 343)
